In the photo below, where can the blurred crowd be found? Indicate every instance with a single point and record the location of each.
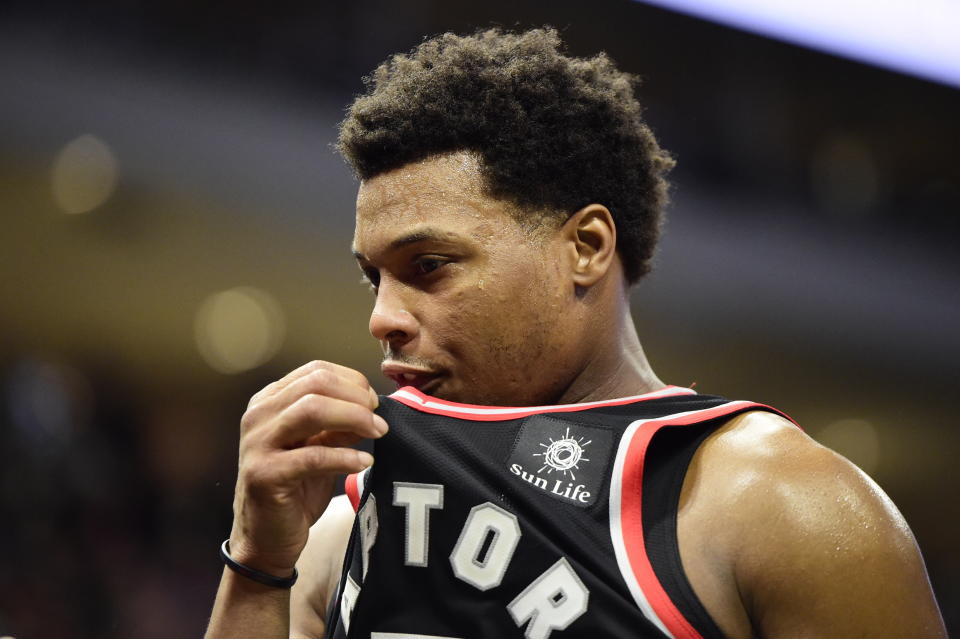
(113, 504)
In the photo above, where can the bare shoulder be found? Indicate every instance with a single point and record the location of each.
(319, 567)
(814, 547)
(778, 475)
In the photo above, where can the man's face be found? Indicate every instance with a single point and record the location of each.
(470, 305)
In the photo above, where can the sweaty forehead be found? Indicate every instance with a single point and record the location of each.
(453, 178)
(444, 192)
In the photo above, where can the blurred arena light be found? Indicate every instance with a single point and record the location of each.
(84, 175)
(919, 37)
(855, 439)
(239, 329)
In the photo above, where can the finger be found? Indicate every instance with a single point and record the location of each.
(333, 439)
(313, 414)
(325, 382)
(351, 374)
(320, 460)
(272, 389)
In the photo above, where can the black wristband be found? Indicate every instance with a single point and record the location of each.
(256, 575)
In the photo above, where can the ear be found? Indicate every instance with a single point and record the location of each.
(591, 236)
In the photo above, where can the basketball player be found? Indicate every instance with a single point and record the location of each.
(509, 197)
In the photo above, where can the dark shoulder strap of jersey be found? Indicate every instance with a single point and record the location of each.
(652, 460)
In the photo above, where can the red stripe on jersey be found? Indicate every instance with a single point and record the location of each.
(350, 487)
(630, 514)
(415, 399)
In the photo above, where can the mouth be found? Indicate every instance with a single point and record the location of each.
(423, 380)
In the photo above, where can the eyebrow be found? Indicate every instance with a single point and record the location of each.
(415, 237)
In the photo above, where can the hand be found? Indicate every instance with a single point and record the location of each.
(293, 440)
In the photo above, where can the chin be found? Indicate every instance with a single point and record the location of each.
(447, 390)
(475, 396)
(453, 390)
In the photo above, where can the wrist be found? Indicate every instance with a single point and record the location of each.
(280, 564)
(272, 580)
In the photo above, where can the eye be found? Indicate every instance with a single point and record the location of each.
(426, 265)
(371, 277)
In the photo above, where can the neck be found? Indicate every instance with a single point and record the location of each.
(615, 367)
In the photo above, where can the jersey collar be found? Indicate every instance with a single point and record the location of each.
(413, 398)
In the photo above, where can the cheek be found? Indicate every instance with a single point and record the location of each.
(504, 332)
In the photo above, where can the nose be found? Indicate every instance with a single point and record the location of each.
(390, 321)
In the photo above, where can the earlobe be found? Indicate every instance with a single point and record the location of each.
(592, 234)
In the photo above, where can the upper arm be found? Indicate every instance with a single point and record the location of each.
(824, 552)
(319, 566)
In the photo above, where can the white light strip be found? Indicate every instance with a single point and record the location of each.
(919, 37)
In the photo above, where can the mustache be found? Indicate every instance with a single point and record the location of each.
(394, 357)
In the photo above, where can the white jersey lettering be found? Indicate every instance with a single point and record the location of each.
(552, 602)
(419, 500)
(486, 571)
(369, 524)
(348, 600)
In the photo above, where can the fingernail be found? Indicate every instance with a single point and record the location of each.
(374, 397)
(380, 425)
(365, 458)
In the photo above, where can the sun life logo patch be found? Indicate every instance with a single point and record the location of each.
(562, 459)
(564, 454)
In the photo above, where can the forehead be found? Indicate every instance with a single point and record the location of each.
(443, 193)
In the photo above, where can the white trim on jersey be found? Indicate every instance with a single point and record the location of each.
(616, 530)
(361, 482)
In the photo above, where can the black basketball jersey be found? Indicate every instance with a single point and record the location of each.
(490, 522)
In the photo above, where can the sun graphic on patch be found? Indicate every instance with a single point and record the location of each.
(563, 455)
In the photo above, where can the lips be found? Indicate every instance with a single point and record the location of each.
(402, 376)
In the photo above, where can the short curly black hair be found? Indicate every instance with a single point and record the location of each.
(553, 132)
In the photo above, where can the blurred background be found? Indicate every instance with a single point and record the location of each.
(175, 235)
